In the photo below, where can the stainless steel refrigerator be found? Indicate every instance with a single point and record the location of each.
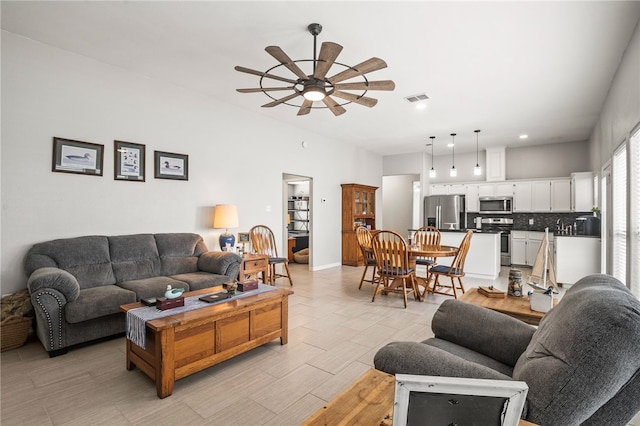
(445, 211)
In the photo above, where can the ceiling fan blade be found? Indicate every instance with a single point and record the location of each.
(361, 100)
(280, 101)
(264, 89)
(328, 53)
(333, 106)
(372, 64)
(369, 85)
(264, 74)
(305, 108)
(285, 60)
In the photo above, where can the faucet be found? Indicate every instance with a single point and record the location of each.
(560, 226)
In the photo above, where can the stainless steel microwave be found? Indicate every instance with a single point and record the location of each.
(496, 205)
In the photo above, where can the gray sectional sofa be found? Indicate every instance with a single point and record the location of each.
(78, 284)
(582, 364)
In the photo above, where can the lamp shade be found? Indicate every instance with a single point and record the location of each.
(226, 216)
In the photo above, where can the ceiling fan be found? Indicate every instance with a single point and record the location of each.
(317, 86)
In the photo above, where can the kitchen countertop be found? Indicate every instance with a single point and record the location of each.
(478, 231)
(575, 236)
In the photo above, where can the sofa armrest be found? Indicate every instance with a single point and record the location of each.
(490, 333)
(426, 360)
(54, 279)
(51, 289)
(221, 263)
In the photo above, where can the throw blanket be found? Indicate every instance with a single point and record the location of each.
(137, 318)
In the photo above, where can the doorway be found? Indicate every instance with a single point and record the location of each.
(297, 222)
(401, 203)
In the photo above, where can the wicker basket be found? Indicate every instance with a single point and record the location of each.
(14, 332)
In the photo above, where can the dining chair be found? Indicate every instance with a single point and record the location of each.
(364, 241)
(454, 271)
(263, 242)
(392, 262)
(427, 235)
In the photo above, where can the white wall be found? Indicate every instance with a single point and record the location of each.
(235, 156)
(547, 161)
(621, 110)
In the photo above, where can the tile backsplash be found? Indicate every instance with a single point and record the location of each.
(540, 220)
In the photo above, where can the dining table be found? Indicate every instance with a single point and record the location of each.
(423, 250)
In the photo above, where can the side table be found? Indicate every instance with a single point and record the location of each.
(252, 265)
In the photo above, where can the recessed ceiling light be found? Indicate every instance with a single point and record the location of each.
(421, 105)
(524, 136)
(450, 145)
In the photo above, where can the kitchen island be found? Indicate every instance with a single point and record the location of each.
(483, 259)
(576, 256)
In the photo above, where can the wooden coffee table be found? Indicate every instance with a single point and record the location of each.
(367, 402)
(516, 307)
(185, 343)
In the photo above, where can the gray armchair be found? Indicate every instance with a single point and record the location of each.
(582, 364)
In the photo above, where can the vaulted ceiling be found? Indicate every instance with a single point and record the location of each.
(507, 68)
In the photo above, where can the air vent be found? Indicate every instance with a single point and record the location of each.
(417, 98)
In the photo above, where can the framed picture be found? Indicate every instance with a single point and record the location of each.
(71, 156)
(243, 237)
(436, 400)
(128, 161)
(169, 165)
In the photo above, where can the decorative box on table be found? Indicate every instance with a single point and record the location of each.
(163, 303)
(248, 285)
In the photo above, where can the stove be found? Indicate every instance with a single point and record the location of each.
(504, 226)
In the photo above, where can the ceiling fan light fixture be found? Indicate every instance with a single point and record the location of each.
(314, 92)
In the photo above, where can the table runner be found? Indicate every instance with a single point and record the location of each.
(137, 317)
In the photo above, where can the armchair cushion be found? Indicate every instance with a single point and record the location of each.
(424, 359)
(482, 330)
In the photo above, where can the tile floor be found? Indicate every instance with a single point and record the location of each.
(334, 332)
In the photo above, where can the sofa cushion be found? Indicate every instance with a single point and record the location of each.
(200, 280)
(86, 258)
(134, 257)
(97, 302)
(152, 287)
(583, 353)
(179, 252)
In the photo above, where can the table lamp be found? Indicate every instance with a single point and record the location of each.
(226, 216)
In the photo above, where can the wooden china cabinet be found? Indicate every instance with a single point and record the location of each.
(358, 208)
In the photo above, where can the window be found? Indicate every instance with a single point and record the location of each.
(619, 214)
(634, 212)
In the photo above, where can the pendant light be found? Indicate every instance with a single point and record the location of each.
(432, 172)
(453, 172)
(477, 170)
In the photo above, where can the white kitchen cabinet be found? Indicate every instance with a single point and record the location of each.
(504, 189)
(525, 246)
(518, 248)
(438, 190)
(522, 197)
(552, 195)
(541, 196)
(457, 189)
(486, 190)
(472, 198)
(496, 161)
(561, 195)
(576, 257)
(582, 190)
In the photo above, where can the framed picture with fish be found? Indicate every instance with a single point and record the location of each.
(129, 161)
(71, 156)
(169, 165)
